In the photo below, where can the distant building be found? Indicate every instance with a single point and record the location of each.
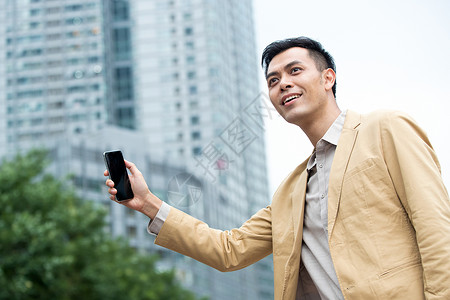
(180, 79)
(54, 75)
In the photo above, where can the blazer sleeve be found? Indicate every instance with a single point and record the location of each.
(223, 250)
(415, 172)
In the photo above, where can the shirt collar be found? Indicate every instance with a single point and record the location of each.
(334, 132)
(331, 136)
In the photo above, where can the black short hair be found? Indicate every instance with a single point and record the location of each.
(321, 57)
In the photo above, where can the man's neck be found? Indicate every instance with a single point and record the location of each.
(317, 128)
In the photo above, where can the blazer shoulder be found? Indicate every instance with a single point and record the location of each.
(383, 117)
(380, 121)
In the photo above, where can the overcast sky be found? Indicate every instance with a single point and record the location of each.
(389, 55)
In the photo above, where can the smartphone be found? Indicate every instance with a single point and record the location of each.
(118, 173)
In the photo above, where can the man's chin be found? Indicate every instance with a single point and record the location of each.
(292, 117)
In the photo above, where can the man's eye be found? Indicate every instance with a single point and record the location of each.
(295, 69)
(272, 81)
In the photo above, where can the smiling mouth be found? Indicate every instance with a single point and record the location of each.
(289, 99)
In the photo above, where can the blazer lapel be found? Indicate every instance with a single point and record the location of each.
(339, 167)
(298, 204)
(293, 262)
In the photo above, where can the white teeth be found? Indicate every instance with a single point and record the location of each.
(290, 98)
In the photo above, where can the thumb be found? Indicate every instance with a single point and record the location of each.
(132, 167)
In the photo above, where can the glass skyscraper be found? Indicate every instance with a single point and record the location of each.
(180, 79)
(53, 72)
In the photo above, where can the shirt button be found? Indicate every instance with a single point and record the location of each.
(320, 166)
(322, 196)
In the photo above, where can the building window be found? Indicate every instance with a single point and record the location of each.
(124, 83)
(120, 10)
(193, 89)
(53, 36)
(131, 231)
(122, 43)
(54, 50)
(196, 135)
(29, 94)
(75, 7)
(22, 80)
(54, 63)
(35, 25)
(93, 59)
(191, 75)
(31, 65)
(189, 45)
(31, 52)
(76, 89)
(196, 151)
(187, 16)
(126, 117)
(52, 10)
(54, 77)
(195, 120)
(53, 23)
(73, 61)
(56, 91)
(193, 104)
(35, 12)
(190, 59)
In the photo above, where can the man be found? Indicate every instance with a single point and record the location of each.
(366, 216)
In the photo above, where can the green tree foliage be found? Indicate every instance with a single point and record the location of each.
(53, 245)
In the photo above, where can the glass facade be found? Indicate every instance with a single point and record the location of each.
(120, 98)
(54, 71)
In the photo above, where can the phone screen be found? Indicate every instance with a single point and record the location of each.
(118, 174)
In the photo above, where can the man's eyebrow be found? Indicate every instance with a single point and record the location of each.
(292, 63)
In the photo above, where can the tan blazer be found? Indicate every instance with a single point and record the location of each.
(388, 218)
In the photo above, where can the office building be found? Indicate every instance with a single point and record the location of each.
(197, 73)
(54, 78)
(180, 77)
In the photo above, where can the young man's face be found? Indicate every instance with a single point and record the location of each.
(297, 89)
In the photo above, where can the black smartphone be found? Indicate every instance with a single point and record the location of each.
(118, 173)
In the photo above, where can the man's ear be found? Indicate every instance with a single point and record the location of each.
(329, 77)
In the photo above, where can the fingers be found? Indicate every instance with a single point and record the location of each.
(132, 167)
(110, 183)
(111, 189)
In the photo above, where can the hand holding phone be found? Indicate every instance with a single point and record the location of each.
(118, 174)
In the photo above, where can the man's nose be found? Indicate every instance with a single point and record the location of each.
(285, 84)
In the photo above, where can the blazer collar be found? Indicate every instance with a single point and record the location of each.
(342, 155)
